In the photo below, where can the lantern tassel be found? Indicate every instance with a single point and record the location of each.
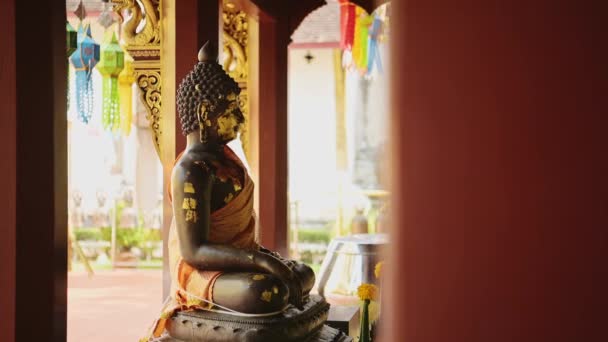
(84, 95)
(110, 108)
(373, 48)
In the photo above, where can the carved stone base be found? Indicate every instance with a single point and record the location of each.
(292, 325)
(326, 334)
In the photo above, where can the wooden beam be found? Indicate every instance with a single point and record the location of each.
(293, 12)
(369, 5)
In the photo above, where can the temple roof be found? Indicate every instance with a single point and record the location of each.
(91, 6)
(320, 26)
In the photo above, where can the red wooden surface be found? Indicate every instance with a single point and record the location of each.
(33, 175)
(499, 123)
(8, 175)
(268, 129)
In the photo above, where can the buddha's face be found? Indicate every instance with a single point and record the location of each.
(228, 124)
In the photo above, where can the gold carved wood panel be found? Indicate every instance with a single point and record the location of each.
(235, 40)
(140, 36)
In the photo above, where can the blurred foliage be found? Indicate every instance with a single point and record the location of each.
(314, 235)
(126, 238)
(88, 234)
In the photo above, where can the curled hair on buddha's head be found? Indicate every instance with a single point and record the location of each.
(206, 84)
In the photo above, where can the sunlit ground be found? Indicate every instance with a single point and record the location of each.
(111, 305)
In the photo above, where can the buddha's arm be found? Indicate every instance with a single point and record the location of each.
(191, 189)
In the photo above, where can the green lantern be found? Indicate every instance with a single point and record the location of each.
(71, 39)
(110, 66)
(71, 45)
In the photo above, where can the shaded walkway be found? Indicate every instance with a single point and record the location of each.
(112, 305)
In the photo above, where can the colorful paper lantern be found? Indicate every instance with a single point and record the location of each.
(110, 66)
(375, 32)
(71, 39)
(360, 44)
(84, 60)
(71, 44)
(347, 24)
(125, 93)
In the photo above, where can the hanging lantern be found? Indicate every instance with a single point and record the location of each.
(347, 31)
(347, 24)
(362, 25)
(373, 50)
(84, 60)
(106, 18)
(125, 92)
(110, 66)
(71, 44)
(71, 39)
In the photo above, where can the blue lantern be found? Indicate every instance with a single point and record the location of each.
(84, 60)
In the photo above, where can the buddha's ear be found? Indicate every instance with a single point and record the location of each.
(202, 117)
(203, 113)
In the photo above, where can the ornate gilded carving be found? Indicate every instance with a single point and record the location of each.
(140, 36)
(145, 53)
(141, 27)
(235, 37)
(148, 82)
(244, 105)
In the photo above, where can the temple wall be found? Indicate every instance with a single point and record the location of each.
(312, 127)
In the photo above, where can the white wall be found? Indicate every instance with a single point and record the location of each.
(312, 128)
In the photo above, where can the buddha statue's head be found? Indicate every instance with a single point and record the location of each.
(207, 100)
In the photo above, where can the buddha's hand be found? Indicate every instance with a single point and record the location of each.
(295, 291)
(276, 267)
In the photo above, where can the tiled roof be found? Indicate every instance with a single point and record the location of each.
(91, 6)
(320, 26)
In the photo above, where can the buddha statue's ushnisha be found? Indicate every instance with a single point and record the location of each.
(215, 262)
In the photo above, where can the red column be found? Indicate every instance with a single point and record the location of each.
(8, 169)
(196, 22)
(500, 125)
(268, 127)
(33, 175)
(188, 25)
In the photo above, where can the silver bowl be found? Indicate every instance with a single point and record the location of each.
(349, 262)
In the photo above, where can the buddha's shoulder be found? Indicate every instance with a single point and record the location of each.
(196, 161)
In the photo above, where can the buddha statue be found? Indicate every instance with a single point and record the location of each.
(219, 272)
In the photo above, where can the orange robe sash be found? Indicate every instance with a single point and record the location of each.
(233, 224)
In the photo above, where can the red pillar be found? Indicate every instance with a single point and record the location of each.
(33, 175)
(268, 42)
(500, 126)
(189, 24)
(196, 22)
(8, 169)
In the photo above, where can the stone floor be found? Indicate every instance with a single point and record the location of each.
(112, 305)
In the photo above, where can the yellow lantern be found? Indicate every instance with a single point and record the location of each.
(125, 92)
